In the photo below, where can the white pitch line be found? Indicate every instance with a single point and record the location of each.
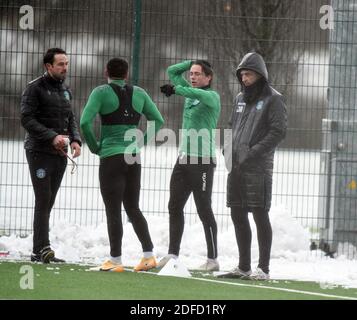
(266, 287)
(277, 288)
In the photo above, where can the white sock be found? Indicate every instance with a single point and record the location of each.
(173, 256)
(148, 254)
(116, 260)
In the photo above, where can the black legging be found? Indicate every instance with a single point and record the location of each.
(196, 178)
(120, 183)
(244, 236)
(46, 175)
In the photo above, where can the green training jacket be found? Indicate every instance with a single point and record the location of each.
(200, 116)
(103, 100)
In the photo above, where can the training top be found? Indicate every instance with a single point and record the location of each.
(46, 112)
(104, 101)
(200, 116)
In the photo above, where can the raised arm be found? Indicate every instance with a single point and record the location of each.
(176, 72)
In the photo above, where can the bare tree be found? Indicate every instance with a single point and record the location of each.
(264, 26)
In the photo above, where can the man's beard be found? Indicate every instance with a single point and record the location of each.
(252, 92)
(59, 77)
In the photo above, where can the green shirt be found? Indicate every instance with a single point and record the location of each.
(200, 116)
(103, 100)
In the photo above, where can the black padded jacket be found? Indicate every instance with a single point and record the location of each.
(46, 112)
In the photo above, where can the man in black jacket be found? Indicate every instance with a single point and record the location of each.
(258, 123)
(47, 116)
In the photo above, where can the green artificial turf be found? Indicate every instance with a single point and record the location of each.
(64, 281)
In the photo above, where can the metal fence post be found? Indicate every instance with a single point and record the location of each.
(136, 45)
(338, 180)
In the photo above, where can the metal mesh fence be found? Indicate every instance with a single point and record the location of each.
(299, 41)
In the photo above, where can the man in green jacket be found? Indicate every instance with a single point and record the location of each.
(120, 107)
(194, 169)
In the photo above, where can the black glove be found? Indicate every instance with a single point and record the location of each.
(167, 89)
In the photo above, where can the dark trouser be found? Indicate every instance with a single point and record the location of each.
(196, 178)
(46, 175)
(120, 183)
(244, 236)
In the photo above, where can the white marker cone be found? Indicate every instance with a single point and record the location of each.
(175, 268)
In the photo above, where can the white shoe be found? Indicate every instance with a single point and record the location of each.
(165, 260)
(210, 265)
(236, 273)
(259, 274)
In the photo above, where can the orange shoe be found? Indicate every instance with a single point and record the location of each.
(146, 264)
(111, 266)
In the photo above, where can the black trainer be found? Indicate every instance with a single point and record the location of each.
(57, 260)
(46, 255)
(35, 257)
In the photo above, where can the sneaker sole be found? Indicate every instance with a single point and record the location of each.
(112, 270)
(259, 279)
(230, 275)
(145, 268)
(56, 260)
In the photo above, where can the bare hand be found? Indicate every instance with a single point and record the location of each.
(60, 142)
(75, 149)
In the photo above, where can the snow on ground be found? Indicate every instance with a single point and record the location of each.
(291, 257)
(79, 232)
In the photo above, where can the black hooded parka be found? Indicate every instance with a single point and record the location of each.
(258, 123)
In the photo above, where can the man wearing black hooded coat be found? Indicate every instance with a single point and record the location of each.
(258, 123)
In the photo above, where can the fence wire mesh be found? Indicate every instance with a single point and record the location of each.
(299, 40)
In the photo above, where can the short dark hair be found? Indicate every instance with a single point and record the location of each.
(205, 65)
(49, 56)
(117, 68)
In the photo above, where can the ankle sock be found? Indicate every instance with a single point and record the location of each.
(116, 260)
(148, 254)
